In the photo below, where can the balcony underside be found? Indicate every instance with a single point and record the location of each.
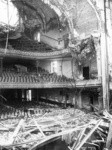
(77, 84)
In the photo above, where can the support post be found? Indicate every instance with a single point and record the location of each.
(100, 102)
(36, 96)
(104, 58)
(98, 56)
(79, 99)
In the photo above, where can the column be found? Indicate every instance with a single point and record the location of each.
(75, 68)
(36, 96)
(100, 101)
(1, 66)
(79, 100)
(104, 56)
(98, 56)
(37, 65)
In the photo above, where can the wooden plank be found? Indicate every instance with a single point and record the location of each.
(55, 136)
(39, 128)
(109, 137)
(16, 131)
(88, 135)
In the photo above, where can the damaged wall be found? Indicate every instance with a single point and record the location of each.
(89, 98)
(58, 95)
(60, 66)
(79, 98)
(78, 68)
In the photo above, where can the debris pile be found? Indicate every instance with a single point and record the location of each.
(75, 126)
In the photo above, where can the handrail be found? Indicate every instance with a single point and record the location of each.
(58, 39)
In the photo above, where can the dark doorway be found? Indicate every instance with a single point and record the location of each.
(86, 73)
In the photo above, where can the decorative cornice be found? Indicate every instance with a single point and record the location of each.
(33, 55)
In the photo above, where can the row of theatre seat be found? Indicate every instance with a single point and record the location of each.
(18, 78)
(24, 44)
(32, 77)
(27, 47)
(23, 110)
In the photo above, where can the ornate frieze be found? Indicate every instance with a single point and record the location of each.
(33, 55)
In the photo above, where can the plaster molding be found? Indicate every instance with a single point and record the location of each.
(33, 55)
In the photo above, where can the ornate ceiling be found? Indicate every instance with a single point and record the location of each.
(37, 14)
(77, 15)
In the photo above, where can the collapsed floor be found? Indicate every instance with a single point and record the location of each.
(37, 126)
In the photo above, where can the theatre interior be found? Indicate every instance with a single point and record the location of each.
(55, 76)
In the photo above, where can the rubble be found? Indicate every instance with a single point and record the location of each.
(74, 126)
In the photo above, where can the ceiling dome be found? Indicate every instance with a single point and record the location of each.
(46, 14)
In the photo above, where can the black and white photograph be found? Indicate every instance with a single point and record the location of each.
(55, 74)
